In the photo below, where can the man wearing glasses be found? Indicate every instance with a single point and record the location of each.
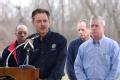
(19, 55)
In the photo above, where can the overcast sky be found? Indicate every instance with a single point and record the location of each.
(24, 3)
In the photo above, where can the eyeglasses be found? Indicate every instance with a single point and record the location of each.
(20, 33)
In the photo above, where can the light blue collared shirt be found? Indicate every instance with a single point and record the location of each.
(97, 60)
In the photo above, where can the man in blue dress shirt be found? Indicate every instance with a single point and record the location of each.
(84, 34)
(97, 58)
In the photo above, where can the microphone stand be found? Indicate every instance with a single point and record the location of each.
(27, 57)
(28, 48)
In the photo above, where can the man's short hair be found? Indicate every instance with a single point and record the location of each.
(39, 10)
(99, 18)
(86, 22)
(21, 26)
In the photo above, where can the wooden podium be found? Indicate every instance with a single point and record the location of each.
(20, 73)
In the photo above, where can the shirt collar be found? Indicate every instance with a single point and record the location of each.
(47, 35)
(100, 41)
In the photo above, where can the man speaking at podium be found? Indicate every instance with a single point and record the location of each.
(18, 56)
(49, 48)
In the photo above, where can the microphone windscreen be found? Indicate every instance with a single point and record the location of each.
(29, 44)
(32, 35)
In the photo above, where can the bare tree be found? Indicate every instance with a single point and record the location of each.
(64, 15)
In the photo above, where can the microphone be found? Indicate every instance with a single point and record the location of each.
(33, 36)
(29, 41)
(29, 45)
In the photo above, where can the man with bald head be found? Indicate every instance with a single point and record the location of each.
(97, 58)
(21, 33)
(84, 34)
(19, 55)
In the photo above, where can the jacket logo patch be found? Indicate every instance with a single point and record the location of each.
(53, 47)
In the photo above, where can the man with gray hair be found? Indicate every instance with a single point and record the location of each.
(19, 55)
(97, 58)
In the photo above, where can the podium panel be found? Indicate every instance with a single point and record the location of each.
(20, 73)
